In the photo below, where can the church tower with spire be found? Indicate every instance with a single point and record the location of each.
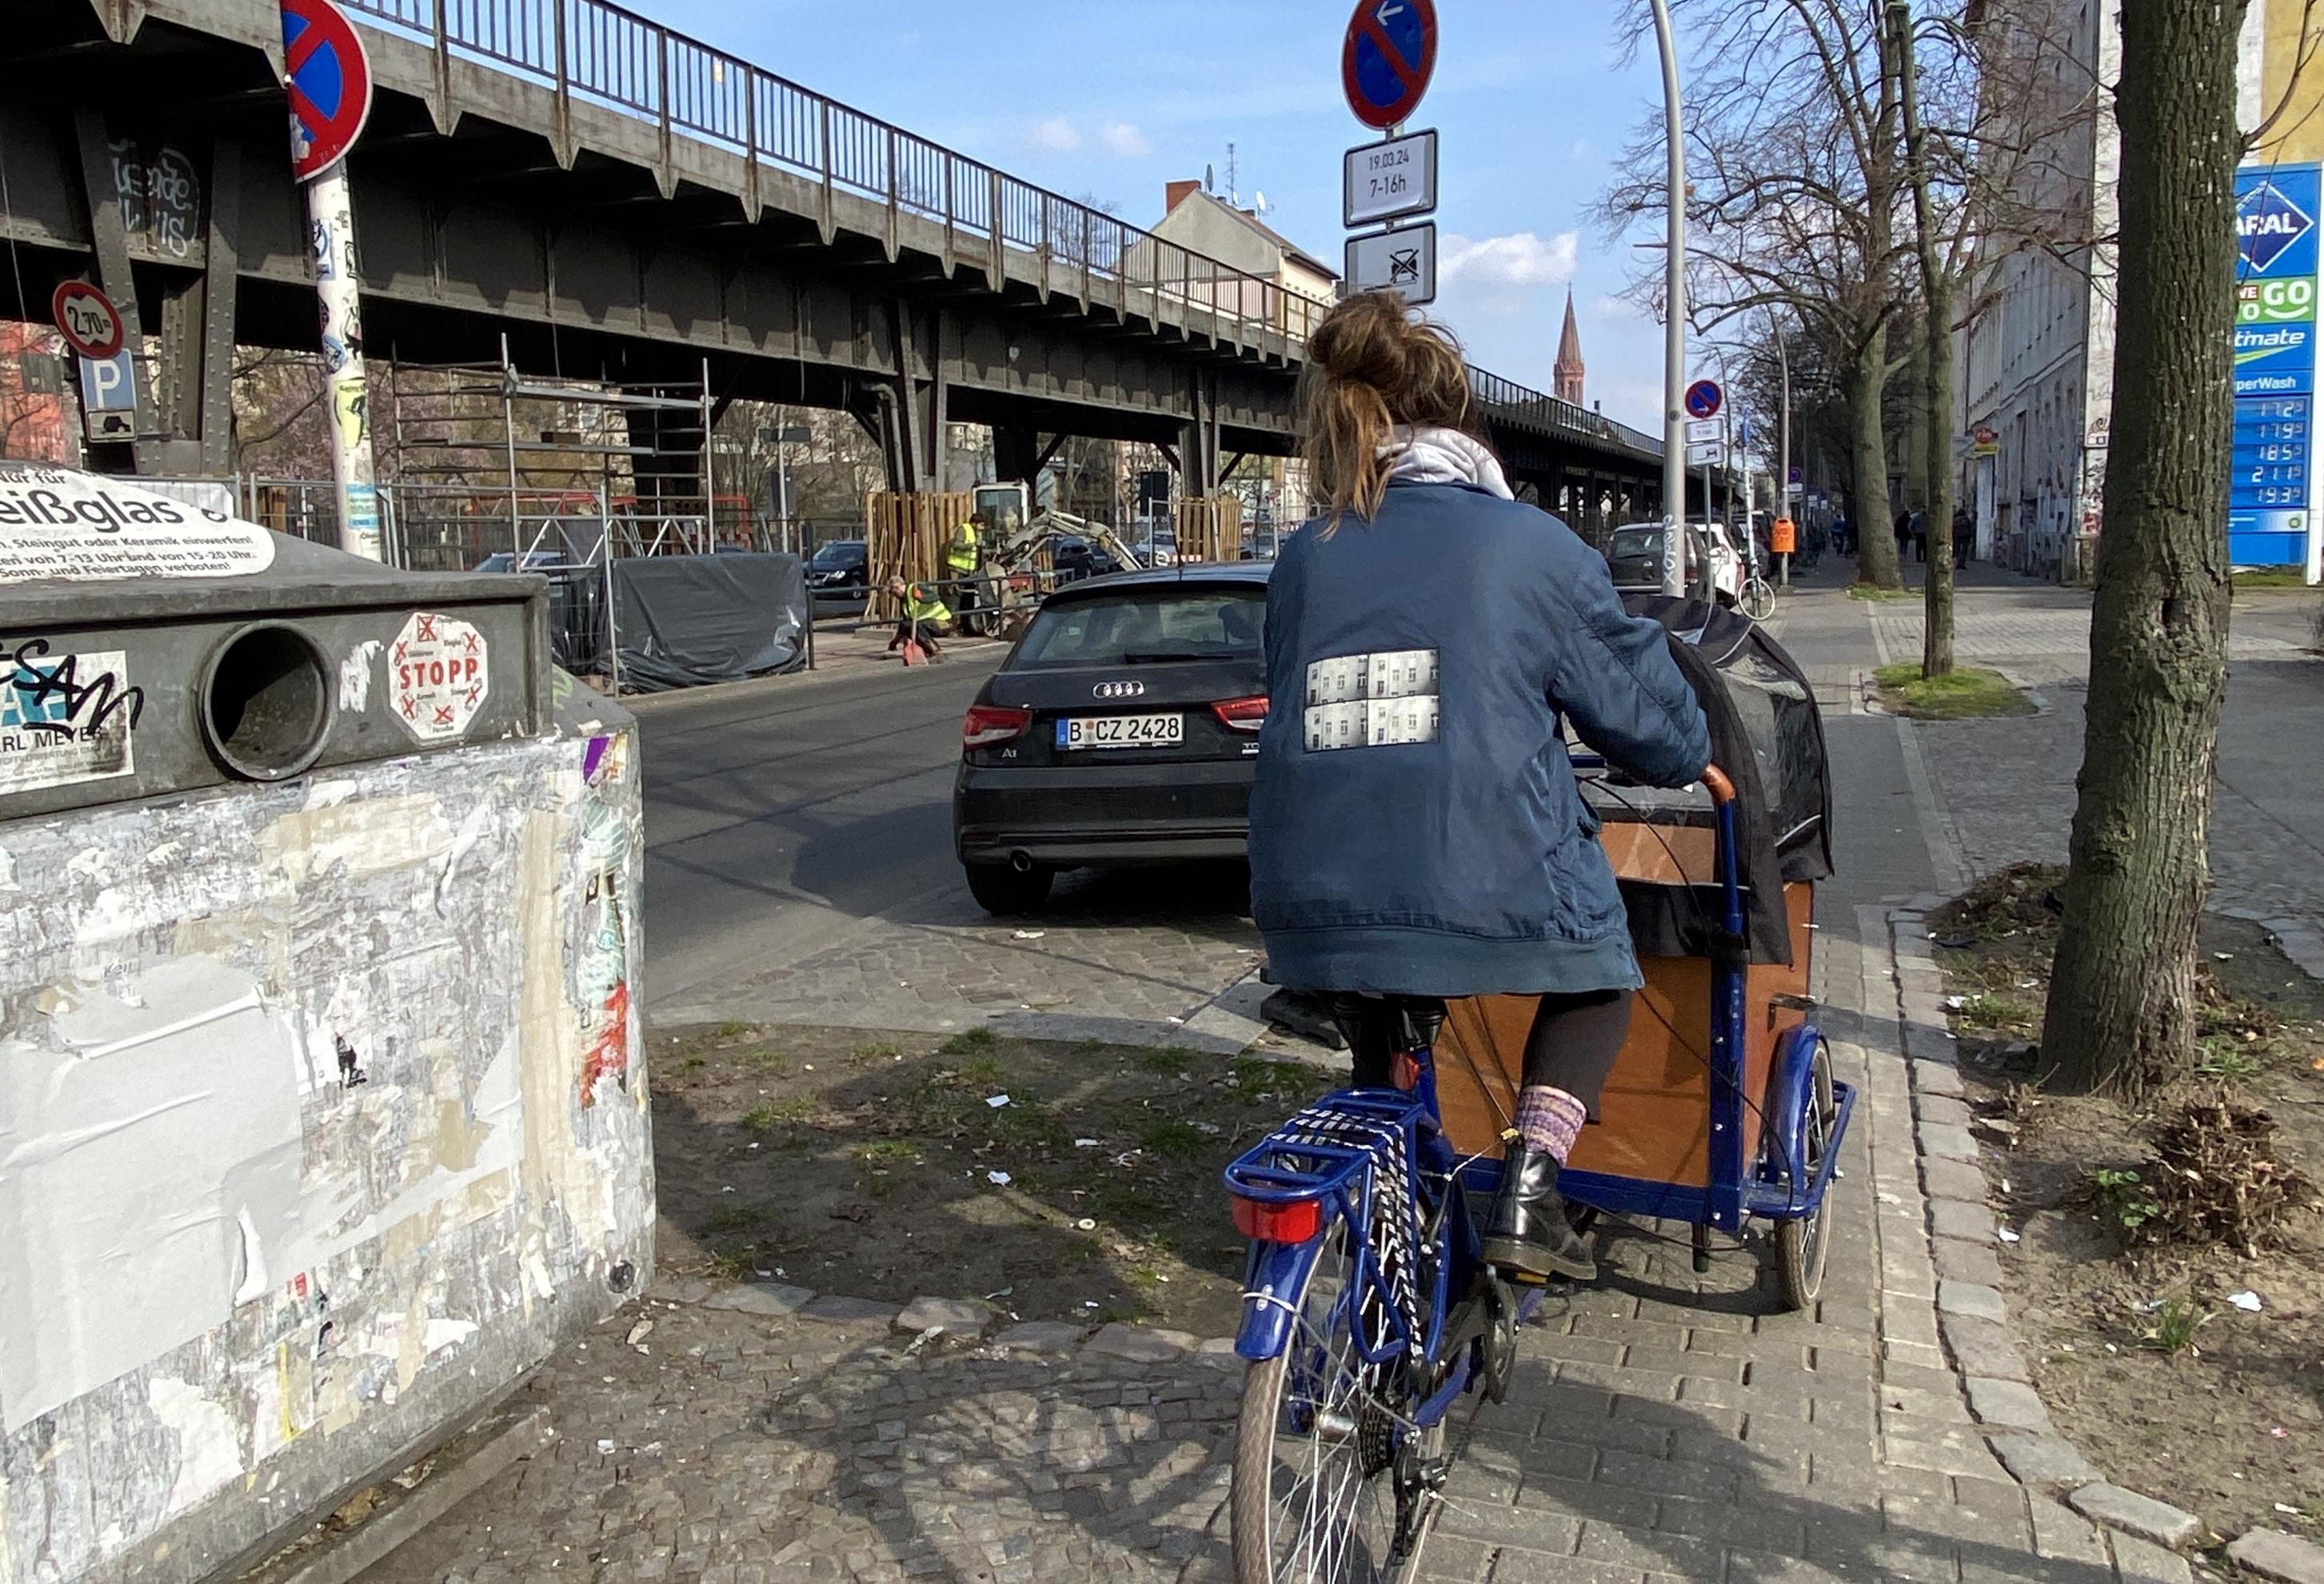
(1567, 373)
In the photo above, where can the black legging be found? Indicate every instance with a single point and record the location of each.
(1571, 1046)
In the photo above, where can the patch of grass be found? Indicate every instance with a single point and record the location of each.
(890, 1152)
(868, 1055)
(733, 1265)
(2270, 577)
(2229, 1061)
(1865, 590)
(2123, 1200)
(979, 1072)
(1984, 1011)
(695, 1063)
(1259, 1082)
(1127, 1206)
(734, 1218)
(770, 1114)
(1177, 1141)
(768, 1064)
(1170, 1060)
(967, 1042)
(1964, 694)
(732, 1030)
(2176, 1322)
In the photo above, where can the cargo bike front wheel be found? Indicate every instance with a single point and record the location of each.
(1802, 1243)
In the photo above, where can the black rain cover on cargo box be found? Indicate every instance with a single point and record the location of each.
(684, 621)
(1768, 735)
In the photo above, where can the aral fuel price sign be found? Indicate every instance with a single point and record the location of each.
(2271, 495)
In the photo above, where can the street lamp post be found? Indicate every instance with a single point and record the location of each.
(1784, 443)
(1673, 317)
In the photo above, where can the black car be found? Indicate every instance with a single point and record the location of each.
(836, 571)
(1122, 729)
(1074, 558)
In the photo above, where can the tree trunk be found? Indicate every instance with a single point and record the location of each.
(1867, 377)
(2121, 1012)
(1935, 396)
(1936, 400)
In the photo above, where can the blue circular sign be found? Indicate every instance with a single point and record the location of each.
(1386, 61)
(1703, 398)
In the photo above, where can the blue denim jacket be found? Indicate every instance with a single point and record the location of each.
(1415, 826)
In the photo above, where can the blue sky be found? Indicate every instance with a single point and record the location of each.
(1114, 97)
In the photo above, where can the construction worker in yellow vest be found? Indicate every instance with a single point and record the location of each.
(921, 617)
(961, 562)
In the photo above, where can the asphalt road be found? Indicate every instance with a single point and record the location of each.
(782, 814)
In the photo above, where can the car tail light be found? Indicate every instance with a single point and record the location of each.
(989, 723)
(1263, 1223)
(1241, 714)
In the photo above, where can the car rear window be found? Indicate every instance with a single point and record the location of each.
(1635, 541)
(1149, 625)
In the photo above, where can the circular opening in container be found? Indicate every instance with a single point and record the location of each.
(266, 703)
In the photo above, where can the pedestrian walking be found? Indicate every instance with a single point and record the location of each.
(1964, 535)
(1904, 530)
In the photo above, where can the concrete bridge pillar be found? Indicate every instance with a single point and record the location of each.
(189, 428)
(1198, 439)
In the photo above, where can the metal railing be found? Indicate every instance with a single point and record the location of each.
(1519, 401)
(601, 55)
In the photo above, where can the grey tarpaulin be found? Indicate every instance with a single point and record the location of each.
(683, 620)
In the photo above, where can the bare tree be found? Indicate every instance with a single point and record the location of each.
(1796, 168)
(2121, 1012)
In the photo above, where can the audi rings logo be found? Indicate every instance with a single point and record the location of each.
(1118, 689)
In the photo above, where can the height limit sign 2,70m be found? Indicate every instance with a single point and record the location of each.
(1385, 64)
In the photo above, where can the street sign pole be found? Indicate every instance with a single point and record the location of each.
(329, 83)
(1673, 317)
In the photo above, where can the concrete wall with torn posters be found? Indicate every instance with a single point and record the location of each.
(322, 1110)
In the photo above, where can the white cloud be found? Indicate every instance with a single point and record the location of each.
(1062, 134)
(1123, 141)
(1583, 151)
(1497, 276)
(1055, 135)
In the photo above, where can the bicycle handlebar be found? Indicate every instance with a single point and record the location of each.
(1715, 781)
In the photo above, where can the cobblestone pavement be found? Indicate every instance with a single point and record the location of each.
(2006, 787)
(1663, 1425)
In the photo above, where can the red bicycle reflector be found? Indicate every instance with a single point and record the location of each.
(1294, 1222)
(1241, 714)
(987, 724)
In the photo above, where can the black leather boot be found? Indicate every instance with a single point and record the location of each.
(1527, 1232)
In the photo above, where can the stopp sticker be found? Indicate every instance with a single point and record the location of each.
(437, 676)
(65, 719)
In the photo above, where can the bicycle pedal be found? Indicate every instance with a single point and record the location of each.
(1526, 1279)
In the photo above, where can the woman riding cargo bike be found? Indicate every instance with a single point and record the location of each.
(1416, 829)
(1421, 852)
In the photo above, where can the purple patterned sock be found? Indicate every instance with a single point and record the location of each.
(1549, 1119)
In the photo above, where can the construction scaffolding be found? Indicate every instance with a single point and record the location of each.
(489, 463)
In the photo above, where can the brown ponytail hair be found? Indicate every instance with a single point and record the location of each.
(1373, 364)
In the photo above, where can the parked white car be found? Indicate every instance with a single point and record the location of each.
(1635, 554)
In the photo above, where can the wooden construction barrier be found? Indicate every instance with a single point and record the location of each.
(904, 536)
(1210, 529)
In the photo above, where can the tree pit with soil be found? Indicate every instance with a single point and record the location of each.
(2166, 1279)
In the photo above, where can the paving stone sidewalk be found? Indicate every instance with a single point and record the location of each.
(1663, 1425)
(2004, 788)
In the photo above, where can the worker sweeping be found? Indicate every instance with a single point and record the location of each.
(921, 619)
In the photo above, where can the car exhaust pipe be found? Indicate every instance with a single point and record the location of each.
(1022, 862)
